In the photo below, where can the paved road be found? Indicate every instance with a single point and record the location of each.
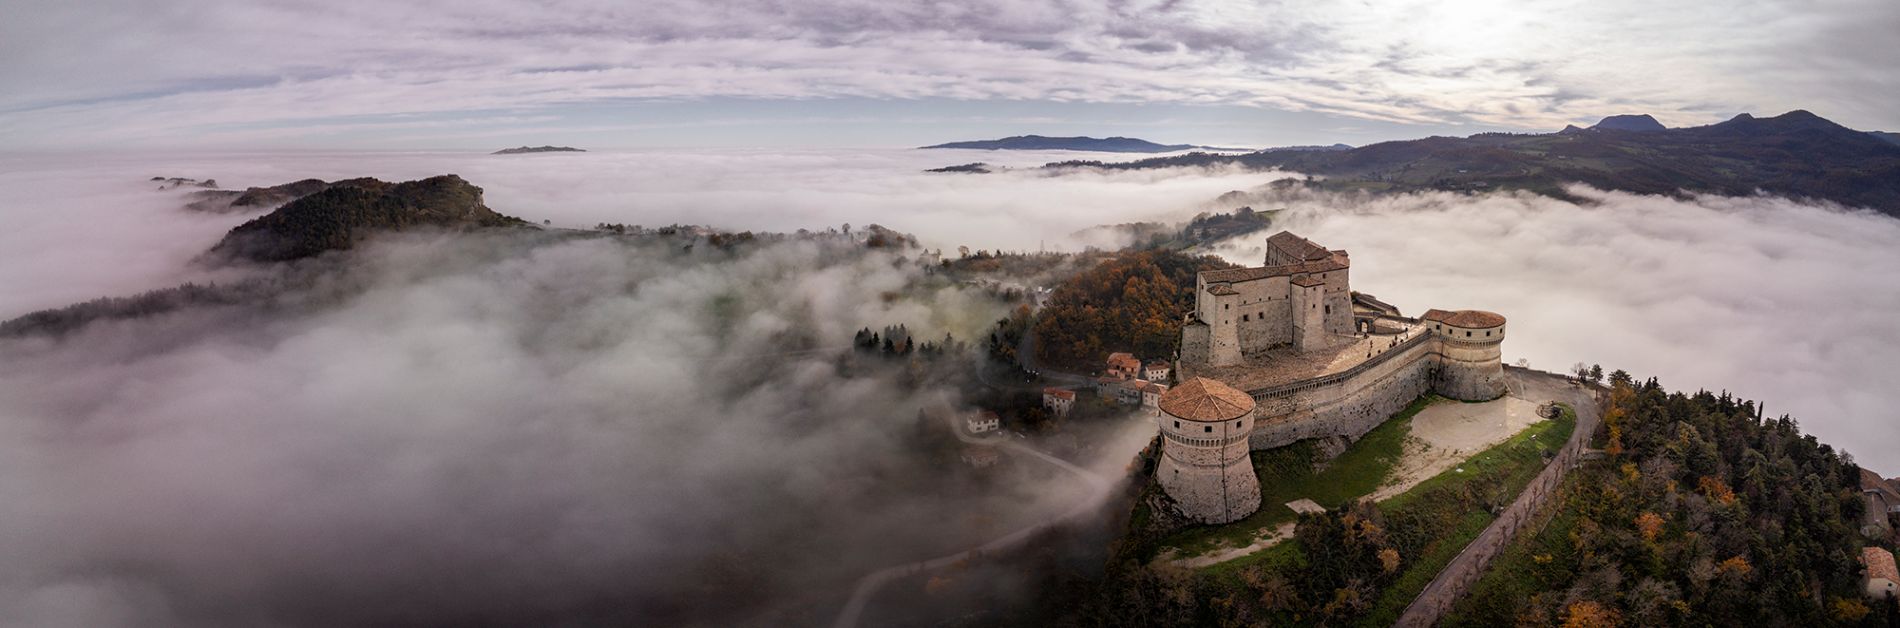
(1100, 488)
(1458, 575)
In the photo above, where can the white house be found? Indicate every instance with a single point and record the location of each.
(985, 421)
(1151, 396)
(1155, 371)
(1058, 401)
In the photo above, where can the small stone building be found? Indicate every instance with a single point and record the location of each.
(1205, 466)
(1155, 371)
(1122, 366)
(980, 457)
(1058, 401)
(1882, 579)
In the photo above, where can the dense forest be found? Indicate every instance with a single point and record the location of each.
(1701, 513)
(1129, 303)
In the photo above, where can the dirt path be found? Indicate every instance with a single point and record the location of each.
(1449, 432)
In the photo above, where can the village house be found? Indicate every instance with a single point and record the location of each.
(980, 457)
(984, 421)
(1122, 366)
(1130, 392)
(1155, 371)
(1106, 387)
(1883, 580)
(1058, 401)
(1151, 396)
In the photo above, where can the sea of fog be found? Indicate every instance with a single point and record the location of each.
(542, 426)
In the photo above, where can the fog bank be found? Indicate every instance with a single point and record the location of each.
(503, 429)
(1775, 300)
(91, 225)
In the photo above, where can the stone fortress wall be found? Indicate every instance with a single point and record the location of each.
(1352, 402)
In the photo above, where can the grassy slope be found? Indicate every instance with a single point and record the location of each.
(1514, 462)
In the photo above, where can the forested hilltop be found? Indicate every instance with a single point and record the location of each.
(1701, 513)
(1133, 302)
(1796, 154)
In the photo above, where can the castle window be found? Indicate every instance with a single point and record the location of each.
(1467, 334)
(1243, 319)
(1177, 425)
(1207, 428)
(1487, 334)
(1236, 424)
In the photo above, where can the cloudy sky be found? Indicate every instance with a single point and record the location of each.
(474, 74)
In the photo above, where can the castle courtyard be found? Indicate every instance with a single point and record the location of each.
(1284, 364)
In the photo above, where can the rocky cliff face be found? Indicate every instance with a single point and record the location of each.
(345, 212)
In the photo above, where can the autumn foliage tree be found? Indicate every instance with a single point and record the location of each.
(1130, 303)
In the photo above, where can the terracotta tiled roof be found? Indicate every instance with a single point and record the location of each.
(1154, 388)
(1468, 319)
(1297, 247)
(1203, 399)
(1879, 563)
(1229, 275)
(1060, 393)
(1221, 289)
(1307, 282)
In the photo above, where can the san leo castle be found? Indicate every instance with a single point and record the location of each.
(1287, 351)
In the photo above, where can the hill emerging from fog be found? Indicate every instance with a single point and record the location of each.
(338, 216)
(1090, 144)
(1797, 154)
(520, 150)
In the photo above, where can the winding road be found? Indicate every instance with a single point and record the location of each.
(1100, 487)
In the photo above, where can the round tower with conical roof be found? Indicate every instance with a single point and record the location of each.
(1204, 465)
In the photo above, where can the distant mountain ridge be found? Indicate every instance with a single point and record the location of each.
(221, 201)
(1796, 154)
(537, 149)
(345, 212)
(1079, 143)
(1630, 122)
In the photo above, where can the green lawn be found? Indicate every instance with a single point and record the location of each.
(1286, 474)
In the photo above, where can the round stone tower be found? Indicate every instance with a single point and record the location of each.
(1473, 364)
(1204, 462)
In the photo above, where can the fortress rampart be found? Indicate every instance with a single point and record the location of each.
(1353, 401)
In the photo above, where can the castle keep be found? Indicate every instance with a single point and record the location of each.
(1315, 359)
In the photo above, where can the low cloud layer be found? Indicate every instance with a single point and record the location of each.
(491, 430)
(88, 226)
(1771, 299)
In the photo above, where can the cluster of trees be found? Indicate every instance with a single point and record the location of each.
(897, 341)
(1008, 334)
(1703, 513)
(1130, 303)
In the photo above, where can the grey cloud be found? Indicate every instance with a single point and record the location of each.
(135, 72)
